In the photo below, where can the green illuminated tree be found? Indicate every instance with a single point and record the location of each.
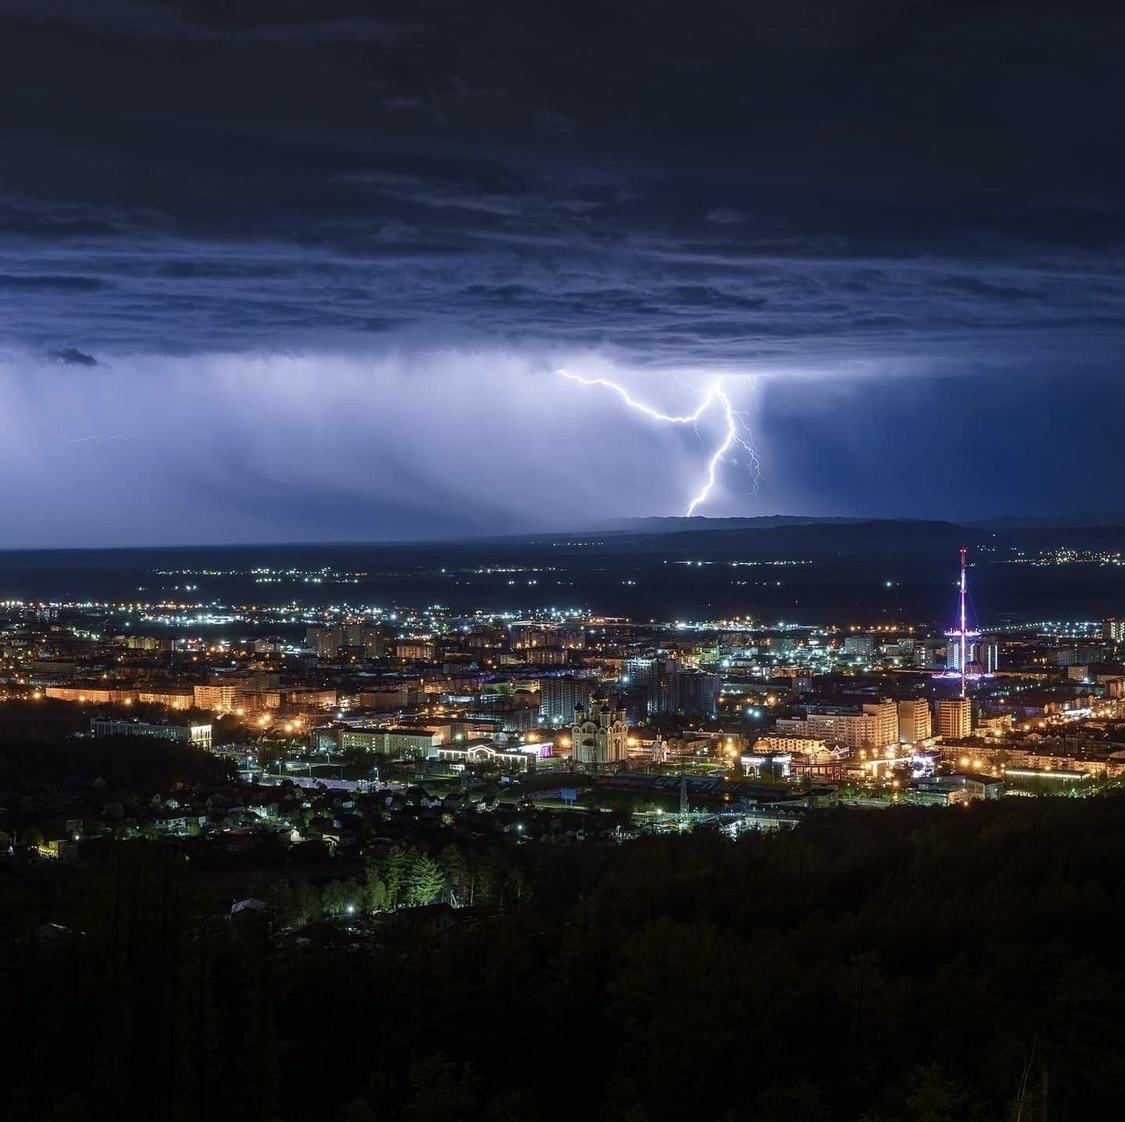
(424, 880)
(373, 891)
(393, 869)
(458, 881)
(339, 895)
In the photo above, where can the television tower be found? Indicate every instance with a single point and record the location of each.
(962, 633)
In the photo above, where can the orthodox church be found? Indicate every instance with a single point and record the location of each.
(599, 735)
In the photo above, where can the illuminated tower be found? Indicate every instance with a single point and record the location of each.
(965, 638)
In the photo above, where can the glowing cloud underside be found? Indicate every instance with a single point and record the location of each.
(736, 432)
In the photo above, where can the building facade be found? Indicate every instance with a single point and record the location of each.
(876, 725)
(915, 722)
(599, 735)
(198, 736)
(955, 717)
(558, 698)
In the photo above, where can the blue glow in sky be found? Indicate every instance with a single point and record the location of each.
(290, 272)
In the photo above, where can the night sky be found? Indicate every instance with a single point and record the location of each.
(281, 271)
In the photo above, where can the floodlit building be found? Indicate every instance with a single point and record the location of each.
(218, 698)
(100, 694)
(950, 790)
(417, 743)
(484, 752)
(915, 722)
(197, 736)
(955, 717)
(772, 765)
(599, 734)
(790, 744)
(172, 698)
(416, 650)
(876, 725)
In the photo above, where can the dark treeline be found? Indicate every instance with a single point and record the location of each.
(908, 964)
(101, 782)
(126, 763)
(46, 744)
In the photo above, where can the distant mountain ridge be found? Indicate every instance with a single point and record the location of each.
(673, 523)
(789, 537)
(1102, 518)
(699, 524)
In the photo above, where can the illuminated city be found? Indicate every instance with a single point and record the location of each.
(355, 695)
(562, 561)
(363, 749)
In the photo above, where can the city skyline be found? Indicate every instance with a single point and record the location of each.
(278, 275)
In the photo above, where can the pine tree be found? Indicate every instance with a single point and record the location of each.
(394, 868)
(455, 869)
(424, 880)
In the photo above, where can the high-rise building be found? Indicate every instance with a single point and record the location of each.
(638, 673)
(915, 722)
(416, 650)
(926, 654)
(1113, 630)
(955, 717)
(527, 634)
(669, 687)
(885, 715)
(363, 637)
(875, 726)
(326, 641)
(697, 692)
(356, 634)
(859, 646)
(983, 657)
(558, 698)
(988, 655)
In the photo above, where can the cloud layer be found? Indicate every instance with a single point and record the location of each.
(235, 448)
(867, 201)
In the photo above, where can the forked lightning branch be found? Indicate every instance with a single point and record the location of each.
(715, 396)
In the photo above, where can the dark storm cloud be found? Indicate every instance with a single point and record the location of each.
(298, 162)
(663, 300)
(139, 18)
(794, 188)
(72, 356)
(31, 282)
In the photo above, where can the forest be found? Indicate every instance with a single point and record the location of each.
(915, 963)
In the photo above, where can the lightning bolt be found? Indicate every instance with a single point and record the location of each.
(715, 393)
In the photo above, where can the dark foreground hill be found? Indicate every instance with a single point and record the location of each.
(913, 964)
